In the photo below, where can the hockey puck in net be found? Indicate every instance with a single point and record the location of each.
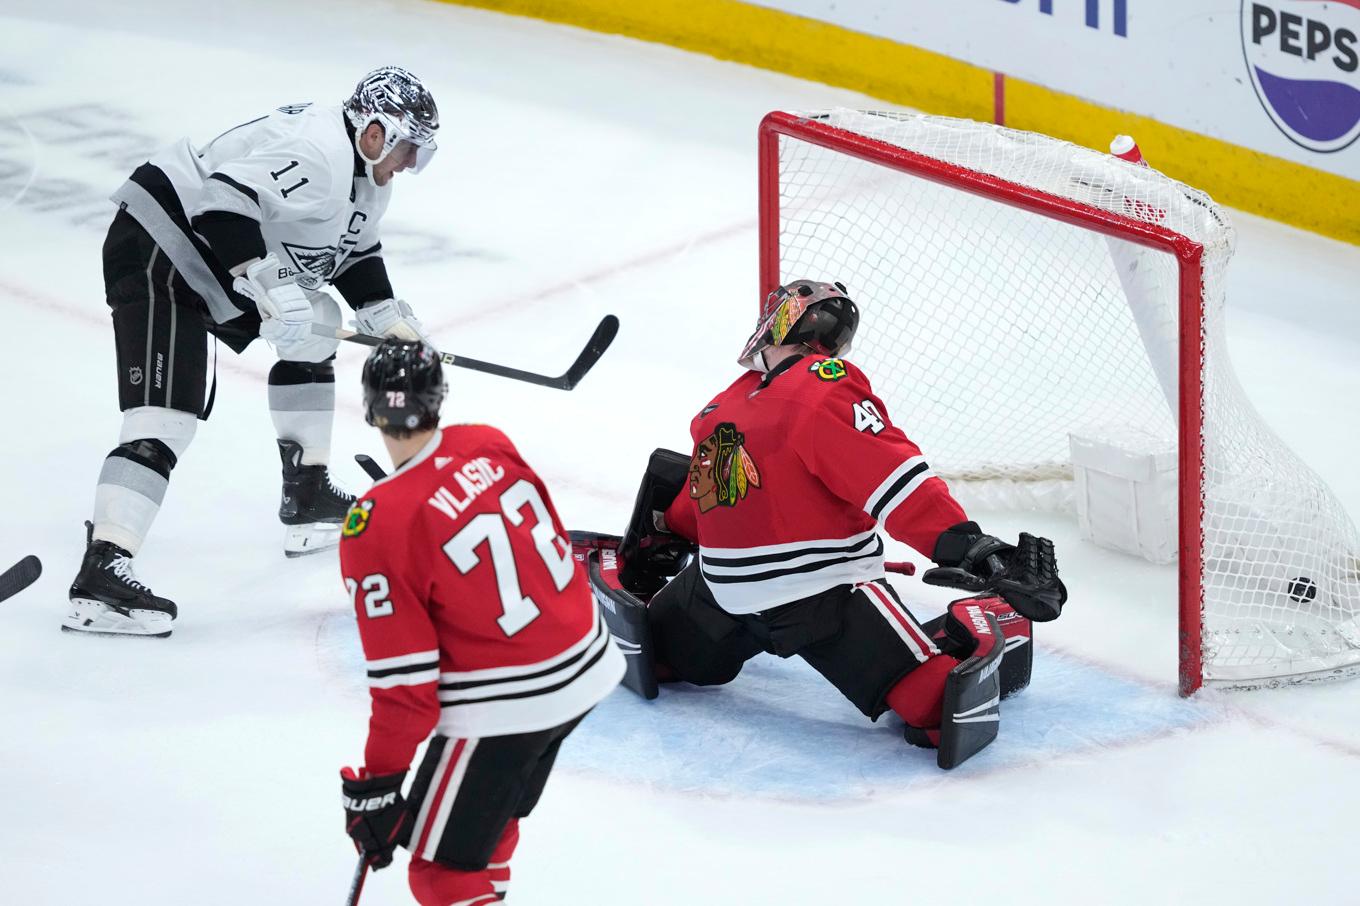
(1302, 589)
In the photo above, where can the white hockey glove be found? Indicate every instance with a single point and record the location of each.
(390, 318)
(285, 312)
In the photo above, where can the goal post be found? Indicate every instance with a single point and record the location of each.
(1001, 312)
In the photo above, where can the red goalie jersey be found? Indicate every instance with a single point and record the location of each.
(791, 474)
(473, 614)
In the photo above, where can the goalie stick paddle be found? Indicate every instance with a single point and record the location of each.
(20, 576)
(356, 886)
(599, 341)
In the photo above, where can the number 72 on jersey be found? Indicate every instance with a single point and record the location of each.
(518, 609)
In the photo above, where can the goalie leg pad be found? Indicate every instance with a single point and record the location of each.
(971, 714)
(1019, 633)
(624, 613)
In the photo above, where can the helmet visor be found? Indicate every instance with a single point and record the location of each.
(414, 157)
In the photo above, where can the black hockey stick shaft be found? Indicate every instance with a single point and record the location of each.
(599, 341)
(356, 886)
(19, 576)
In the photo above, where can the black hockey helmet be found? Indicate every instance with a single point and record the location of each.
(820, 316)
(403, 387)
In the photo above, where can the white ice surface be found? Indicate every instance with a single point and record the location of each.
(578, 174)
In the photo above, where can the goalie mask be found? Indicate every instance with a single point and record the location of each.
(819, 316)
(396, 100)
(403, 387)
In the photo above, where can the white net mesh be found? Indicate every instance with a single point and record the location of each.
(992, 332)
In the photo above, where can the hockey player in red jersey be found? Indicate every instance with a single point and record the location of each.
(476, 625)
(795, 467)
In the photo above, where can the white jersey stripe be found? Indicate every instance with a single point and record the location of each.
(404, 660)
(803, 547)
(901, 497)
(713, 569)
(887, 483)
(512, 687)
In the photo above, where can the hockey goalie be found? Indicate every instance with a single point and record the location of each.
(766, 540)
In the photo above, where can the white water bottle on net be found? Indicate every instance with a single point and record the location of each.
(1017, 289)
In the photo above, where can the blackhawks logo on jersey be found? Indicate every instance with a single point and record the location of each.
(828, 369)
(721, 473)
(356, 520)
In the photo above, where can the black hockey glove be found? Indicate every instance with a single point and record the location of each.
(967, 558)
(376, 817)
(1025, 575)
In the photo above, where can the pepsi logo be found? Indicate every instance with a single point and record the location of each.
(1303, 57)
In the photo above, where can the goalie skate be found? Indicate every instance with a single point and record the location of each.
(311, 508)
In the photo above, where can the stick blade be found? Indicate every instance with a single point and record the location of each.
(599, 341)
(20, 576)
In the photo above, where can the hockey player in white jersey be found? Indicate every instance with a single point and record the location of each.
(237, 239)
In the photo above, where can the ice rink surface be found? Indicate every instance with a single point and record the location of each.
(578, 174)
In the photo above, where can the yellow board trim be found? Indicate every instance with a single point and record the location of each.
(909, 76)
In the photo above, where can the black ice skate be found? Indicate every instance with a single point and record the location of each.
(107, 599)
(312, 508)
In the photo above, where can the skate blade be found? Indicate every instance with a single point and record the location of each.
(311, 538)
(97, 618)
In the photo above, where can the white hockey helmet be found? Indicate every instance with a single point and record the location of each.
(396, 100)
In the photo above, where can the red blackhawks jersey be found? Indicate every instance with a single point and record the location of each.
(792, 473)
(475, 619)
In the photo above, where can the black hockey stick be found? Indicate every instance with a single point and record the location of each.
(599, 341)
(20, 576)
(356, 886)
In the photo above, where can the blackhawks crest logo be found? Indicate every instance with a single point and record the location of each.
(356, 520)
(721, 473)
(828, 369)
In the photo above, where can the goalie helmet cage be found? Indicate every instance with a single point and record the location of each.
(1014, 288)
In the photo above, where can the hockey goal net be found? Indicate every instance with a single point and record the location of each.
(1015, 288)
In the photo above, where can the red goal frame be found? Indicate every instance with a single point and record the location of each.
(1189, 257)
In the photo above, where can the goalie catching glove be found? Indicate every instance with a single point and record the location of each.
(390, 318)
(285, 312)
(376, 816)
(1025, 575)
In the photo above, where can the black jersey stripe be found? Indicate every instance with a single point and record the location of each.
(410, 668)
(794, 570)
(547, 672)
(245, 190)
(530, 693)
(896, 489)
(765, 559)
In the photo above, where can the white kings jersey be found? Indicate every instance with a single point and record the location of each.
(293, 170)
